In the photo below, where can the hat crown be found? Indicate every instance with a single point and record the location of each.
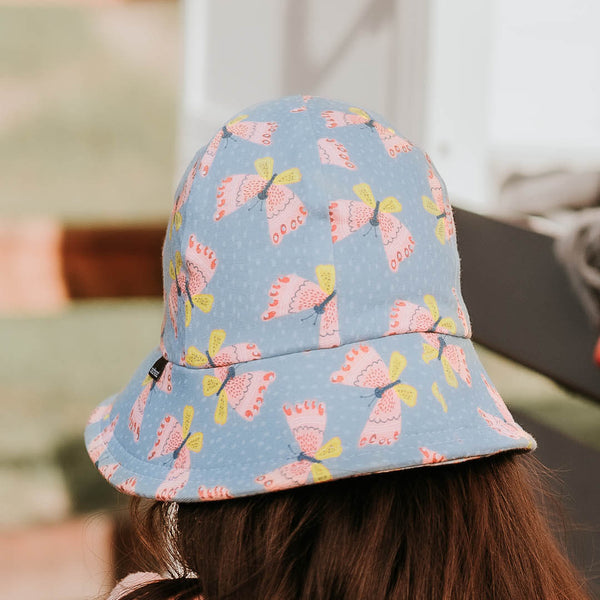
(305, 224)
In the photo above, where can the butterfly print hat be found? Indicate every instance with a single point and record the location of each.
(313, 326)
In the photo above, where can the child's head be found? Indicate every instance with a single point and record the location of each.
(314, 330)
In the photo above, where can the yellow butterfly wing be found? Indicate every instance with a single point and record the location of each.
(210, 385)
(171, 270)
(178, 262)
(430, 206)
(195, 358)
(360, 112)
(221, 410)
(147, 380)
(320, 472)
(397, 365)
(449, 373)
(217, 337)
(195, 441)
(188, 313)
(448, 324)
(429, 353)
(390, 204)
(440, 231)
(264, 167)
(188, 416)
(237, 119)
(438, 395)
(364, 192)
(288, 176)
(326, 278)
(203, 301)
(177, 221)
(432, 306)
(407, 393)
(331, 449)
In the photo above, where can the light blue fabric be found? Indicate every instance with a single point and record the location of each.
(440, 405)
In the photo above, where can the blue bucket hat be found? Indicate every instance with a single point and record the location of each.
(314, 327)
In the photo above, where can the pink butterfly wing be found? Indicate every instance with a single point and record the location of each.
(437, 192)
(185, 191)
(431, 457)
(383, 425)
(245, 391)
(173, 483)
(236, 353)
(329, 332)
(432, 339)
(500, 405)
(511, 430)
(99, 413)
(209, 154)
(332, 152)
(165, 381)
(201, 263)
(137, 412)
(109, 470)
(363, 368)
(292, 294)
(397, 240)
(285, 212)
(337, 118)
(254, 131)
(346, 217)
(393, 143)
(461, 315)
(168, 438)
(458, 361)
(234, 191)
(218, 492)
(406, 317)
(307, 422)
(173, 306)
(127, 486)
(99, 444)
(290, 475)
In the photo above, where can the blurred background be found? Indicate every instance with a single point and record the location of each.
(103, 103)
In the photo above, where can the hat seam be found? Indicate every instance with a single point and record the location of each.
(150, 466)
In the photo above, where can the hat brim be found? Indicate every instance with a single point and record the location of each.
(301, 418)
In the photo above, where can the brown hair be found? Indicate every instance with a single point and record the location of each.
(469, 531)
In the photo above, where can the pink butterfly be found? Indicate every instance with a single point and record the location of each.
(244, 392)
(348, 216)
(392, 142)
(164, 383)
(176, 441)
(406, 317)
(365, 368)
(451, 356)
(252, 131)
(218, 492)
(307, 423)
(189, 282)
(462, 315)
(438, 206)
(285, 211)
(176, 218)
(332, 152)
(99, 444)
(505, 426)
(431, 457)
(109, 470)
(292, 294)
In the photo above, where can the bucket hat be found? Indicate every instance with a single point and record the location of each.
(314, 327)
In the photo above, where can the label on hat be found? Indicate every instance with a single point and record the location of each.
(157, 368)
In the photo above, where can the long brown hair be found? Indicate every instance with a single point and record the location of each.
(470, 531)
